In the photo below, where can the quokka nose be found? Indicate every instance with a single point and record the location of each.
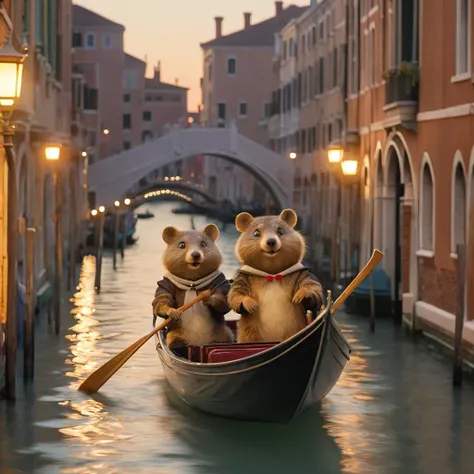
(196, 255)
(271, 242)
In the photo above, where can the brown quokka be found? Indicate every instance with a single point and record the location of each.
(193, 260)
(272, 290)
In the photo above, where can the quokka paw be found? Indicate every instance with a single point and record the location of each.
(250, 305)
(300, 295)
(174, 313)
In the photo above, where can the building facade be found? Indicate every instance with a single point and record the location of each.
(46, 114)
(237, 74)
(410, 103)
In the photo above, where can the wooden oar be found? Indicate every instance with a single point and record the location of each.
(363, 274)
(105, 372)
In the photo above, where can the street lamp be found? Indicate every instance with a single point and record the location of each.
(127, 202)
(117, 203)
(293, 155)
(102, 209)
(349, 167)
(84, 154)
(11, 72)
(94, 212)
(52, 152)
(335, 154)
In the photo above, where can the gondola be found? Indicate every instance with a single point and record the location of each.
(145, 215)
(260, 382)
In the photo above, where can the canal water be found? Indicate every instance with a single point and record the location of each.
(392, 412)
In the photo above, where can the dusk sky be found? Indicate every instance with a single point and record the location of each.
(172, 31)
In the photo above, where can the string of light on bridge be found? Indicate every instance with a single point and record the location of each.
(167, 192)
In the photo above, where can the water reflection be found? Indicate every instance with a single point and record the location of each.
(392, 412)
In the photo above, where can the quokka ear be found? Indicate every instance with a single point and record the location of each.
(212, 231)
(169, 234)
(289, 216)
(242, 221)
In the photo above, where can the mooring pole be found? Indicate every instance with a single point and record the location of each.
(58, 274)
(98, 258)
(123, 242)
(116, 232)
(29, 339)
(459, 322)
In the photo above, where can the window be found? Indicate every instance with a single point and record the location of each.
(77, 40)
(147, 116)
(127, 121)
(267, 109)
(242, 109)
(209, 71)
(463, 36)
(231, 66)
(221, 110)
(458, 206)
(90, 40)
(427, 209)
(130, 80)
(106, 41)
(126, 97)
(39, 27)
(126, 145)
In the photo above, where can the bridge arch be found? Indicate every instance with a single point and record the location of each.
(112, 177)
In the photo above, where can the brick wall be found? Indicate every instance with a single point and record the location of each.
(406, 247)
(438, 287)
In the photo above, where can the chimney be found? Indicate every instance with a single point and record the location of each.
(218, 20)
(278, 8)
(157, 74)
(247, 20)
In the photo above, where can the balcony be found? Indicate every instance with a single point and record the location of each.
(401, 97)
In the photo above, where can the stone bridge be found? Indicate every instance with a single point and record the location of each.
(112, 177)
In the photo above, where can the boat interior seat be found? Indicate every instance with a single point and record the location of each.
(225, 351)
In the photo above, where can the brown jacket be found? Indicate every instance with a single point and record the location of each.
(168, 295)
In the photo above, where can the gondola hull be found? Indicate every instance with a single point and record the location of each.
(272, 386)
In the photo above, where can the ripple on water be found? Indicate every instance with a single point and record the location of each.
(392, 412)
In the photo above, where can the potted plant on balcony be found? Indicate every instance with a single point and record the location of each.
(402, 82)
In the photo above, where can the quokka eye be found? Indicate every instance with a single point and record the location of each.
(203, 244)
(280, 231)
(182, 245)
(256, 233)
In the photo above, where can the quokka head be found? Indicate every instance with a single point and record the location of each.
(269, 243)
(191, 254)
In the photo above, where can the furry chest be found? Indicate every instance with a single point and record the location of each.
(278, 315)
(198, 324)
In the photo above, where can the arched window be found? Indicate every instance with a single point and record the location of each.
(458, 207)
(427, 209)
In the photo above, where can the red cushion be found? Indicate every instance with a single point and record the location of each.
(226, 355)
(206, 350)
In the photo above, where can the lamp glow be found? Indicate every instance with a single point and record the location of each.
(11, 71)
(94, 212)
(84, 154)
(117, 203)
(335, 154)
(101, 209)
(106, 131)
(127, 202)
(293, 155)
(52, 152)
(349, 167)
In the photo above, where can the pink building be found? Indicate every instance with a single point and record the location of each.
(149, 108)
(99, 56)
(237, 77)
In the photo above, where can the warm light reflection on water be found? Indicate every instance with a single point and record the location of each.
(392, 412)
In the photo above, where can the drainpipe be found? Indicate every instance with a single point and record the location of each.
(11, 326)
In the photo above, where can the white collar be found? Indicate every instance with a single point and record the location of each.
(184, 284)
(255, 272)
